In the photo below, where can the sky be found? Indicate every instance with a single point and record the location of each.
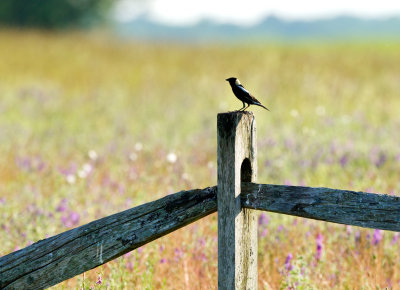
(181, 12)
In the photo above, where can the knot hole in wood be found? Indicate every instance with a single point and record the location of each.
(246, 171)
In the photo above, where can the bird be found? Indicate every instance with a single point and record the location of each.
(244, 95)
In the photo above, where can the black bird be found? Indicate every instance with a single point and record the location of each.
(244, 95)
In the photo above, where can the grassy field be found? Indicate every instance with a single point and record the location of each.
(91, 125)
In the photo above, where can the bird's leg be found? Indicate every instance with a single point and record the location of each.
(242, 107)
(246, 107)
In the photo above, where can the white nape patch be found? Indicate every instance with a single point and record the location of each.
(237, 82)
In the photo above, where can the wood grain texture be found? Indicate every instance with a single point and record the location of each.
(68, 254)
(237, 227)
(369, 210)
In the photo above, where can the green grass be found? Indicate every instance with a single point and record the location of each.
(334, 122)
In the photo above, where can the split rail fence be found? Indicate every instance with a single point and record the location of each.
(236, 198)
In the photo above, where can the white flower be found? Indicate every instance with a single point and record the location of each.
(171, 157)
(138, 146)
(71, 178)
(294, 113)
(133, 156)
(87, 167)
(320, 110)
(82, 173)
(92, 154)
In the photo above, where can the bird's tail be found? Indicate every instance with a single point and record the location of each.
(258, 104)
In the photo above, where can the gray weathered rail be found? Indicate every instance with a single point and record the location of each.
(369, 210)
(68, 254)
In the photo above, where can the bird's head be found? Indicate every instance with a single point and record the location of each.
(233, 81)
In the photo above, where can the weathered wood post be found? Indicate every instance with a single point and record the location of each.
(237, 226)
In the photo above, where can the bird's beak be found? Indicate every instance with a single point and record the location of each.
(227, 80)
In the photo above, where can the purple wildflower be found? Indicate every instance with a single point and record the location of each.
(357, 236)
(163, 261)
(70, 220)
(140, 250)
(129, 266)
(395, 238)
(377, 237)
(99, 280)
(288, 265)
(128, 202)
(267, 163)
(30, 163)
(62, 206)
(39, 165)
(202, 242)
(289, 143)
(5, 227)
(319, 241)
(263, 219)
(70, 170)
(264, 233)
(381, 159)
(344, 160)
(121, 189)
(178, 254)
(349, 230)
(65, 221)
(24, 163)
(389, 282)
(377, 157)
(74, 217)
(287, 182)
(203, 257)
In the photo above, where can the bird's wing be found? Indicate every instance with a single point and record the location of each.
(243, 89)
(250, 96)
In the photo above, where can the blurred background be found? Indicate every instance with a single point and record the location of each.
(106, 105)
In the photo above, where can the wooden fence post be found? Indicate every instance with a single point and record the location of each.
(237, 226)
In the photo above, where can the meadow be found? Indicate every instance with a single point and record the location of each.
(91, 125)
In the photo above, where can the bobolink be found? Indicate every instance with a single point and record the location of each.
(244, 95)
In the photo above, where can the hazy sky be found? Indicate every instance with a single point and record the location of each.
(250, 11)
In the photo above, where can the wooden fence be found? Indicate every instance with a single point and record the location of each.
(236, 197)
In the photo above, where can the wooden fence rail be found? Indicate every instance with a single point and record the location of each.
(369, 210)
(50, 261)
(68, 254)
